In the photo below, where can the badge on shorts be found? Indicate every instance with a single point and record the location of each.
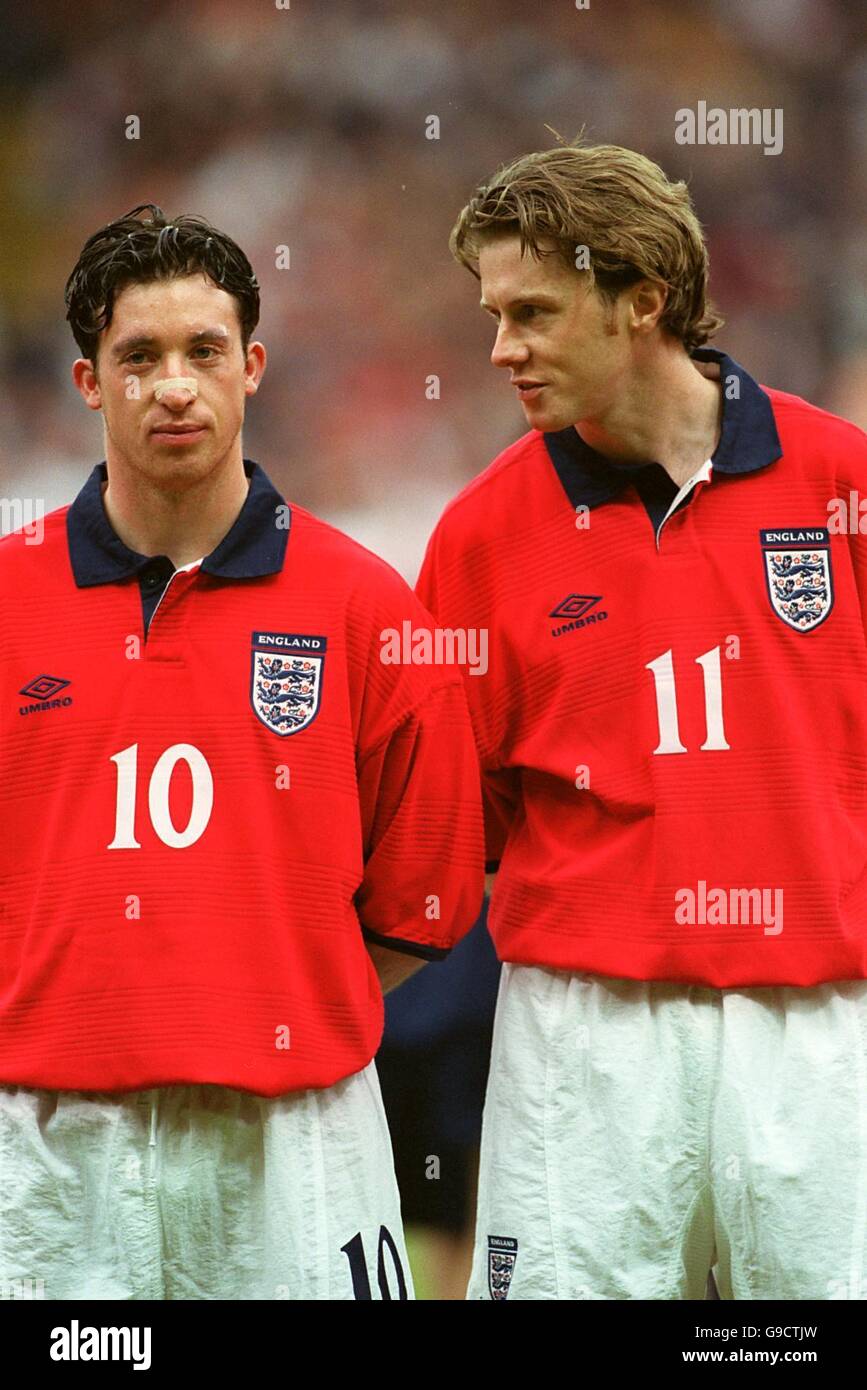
(797, 563)
(286, 679)
(502, 1254)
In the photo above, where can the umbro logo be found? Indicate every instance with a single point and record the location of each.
(577, 610)
(41, 690)
(575, 606)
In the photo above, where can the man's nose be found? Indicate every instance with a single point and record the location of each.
(176, 392)
(507, 349)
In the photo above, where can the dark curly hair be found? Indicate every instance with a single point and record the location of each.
(134, 249)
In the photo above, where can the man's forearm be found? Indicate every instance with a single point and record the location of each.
(392, 967)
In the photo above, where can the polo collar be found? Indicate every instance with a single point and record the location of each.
(254, 545)
(748, 442)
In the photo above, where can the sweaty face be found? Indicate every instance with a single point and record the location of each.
(169, 329)
(565, 350)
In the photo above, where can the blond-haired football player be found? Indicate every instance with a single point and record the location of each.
(675, 783)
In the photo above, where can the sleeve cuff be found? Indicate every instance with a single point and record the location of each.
(407, 948)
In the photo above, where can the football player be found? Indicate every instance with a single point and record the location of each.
(228, 825)
(674, 774)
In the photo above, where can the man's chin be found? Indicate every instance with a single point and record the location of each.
(546, 419)
(183, 466)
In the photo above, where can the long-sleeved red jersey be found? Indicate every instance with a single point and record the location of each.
(203, 815)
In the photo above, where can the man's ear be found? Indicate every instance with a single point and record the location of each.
(254, 367)
(649, 299)
(87, 383)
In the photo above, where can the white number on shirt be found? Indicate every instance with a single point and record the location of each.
(158, 796)
(662, 670)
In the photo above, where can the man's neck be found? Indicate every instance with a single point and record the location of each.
(184, 524)
(671, 415)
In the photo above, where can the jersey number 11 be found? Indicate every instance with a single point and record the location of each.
(662, 670)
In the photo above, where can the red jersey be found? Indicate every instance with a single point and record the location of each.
(673, 724)
(214, 790)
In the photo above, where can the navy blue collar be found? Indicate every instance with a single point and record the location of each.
(254, 546)
(748, 441)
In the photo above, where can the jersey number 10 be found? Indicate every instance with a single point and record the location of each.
(158, 796)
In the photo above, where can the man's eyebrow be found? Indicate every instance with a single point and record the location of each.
(545, 300)
(142, 340)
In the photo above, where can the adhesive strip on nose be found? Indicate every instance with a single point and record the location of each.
(185, 383)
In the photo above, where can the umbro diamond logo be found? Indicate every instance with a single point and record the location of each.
(41, 690)
(576, 608)
(43, 687)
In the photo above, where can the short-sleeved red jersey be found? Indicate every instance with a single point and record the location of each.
(673, 724)
(205, 814)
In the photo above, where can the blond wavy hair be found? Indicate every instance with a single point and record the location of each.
(634, 221)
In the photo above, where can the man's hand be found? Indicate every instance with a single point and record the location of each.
(392, 967)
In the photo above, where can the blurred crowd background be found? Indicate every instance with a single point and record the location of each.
(306, 127)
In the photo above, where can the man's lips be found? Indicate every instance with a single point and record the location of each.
(528, 389)
(177, 427)
(177, 434)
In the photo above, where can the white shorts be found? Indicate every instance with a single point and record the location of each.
(638, 1133)
(200, 1192)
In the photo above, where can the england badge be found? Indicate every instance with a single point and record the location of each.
(502, 1254)
(286, 679)
(797, 563)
